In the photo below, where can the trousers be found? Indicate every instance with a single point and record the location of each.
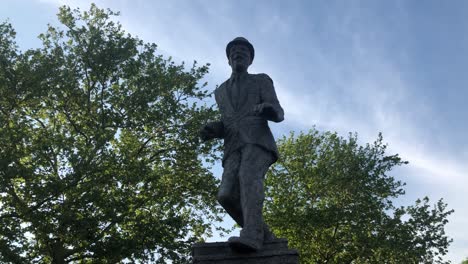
(241, 192)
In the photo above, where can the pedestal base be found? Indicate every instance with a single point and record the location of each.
(275, 252)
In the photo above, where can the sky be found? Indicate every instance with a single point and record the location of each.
(396, 67)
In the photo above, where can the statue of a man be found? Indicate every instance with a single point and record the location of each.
(246, 102)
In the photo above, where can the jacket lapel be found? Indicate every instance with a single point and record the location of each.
(244, 92)
(228, 93)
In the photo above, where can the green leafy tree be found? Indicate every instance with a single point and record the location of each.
(99, 159)
(333, 199)
(465, 261)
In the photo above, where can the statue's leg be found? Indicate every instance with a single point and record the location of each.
(255, 162)
(228, 194)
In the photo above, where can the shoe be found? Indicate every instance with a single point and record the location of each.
(268, 236)
(243, 244)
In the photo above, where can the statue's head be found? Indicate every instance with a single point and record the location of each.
(240, 54)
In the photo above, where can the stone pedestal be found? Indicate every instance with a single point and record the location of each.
(275, 252)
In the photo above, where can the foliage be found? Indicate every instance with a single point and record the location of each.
(99, 159)
(333, 200)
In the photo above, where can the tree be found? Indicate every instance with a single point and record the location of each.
(99, 158)
(465, 261)
(334, 201)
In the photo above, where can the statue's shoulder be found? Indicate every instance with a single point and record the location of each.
(221, 87)
(263, 77)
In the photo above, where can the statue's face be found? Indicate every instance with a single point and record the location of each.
(239, 58)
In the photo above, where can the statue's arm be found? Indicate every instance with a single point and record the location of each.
(272, 108)
(218, 126)
(213, 129)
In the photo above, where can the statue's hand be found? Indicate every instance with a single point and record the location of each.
(207, 133)
(212, 130)
(263, 109)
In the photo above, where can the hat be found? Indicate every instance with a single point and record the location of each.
(240, 40)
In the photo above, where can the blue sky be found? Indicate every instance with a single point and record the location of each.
(397, 67)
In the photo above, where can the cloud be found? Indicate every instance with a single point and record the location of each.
(343, 72)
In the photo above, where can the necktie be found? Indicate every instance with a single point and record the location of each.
(236, 90)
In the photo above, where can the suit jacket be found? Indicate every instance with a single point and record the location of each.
(240, 125)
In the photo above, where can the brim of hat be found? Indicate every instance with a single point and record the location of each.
(251, 48)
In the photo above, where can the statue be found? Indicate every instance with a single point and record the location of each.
(246, 102)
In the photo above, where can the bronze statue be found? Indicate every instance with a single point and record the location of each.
(246, 102)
